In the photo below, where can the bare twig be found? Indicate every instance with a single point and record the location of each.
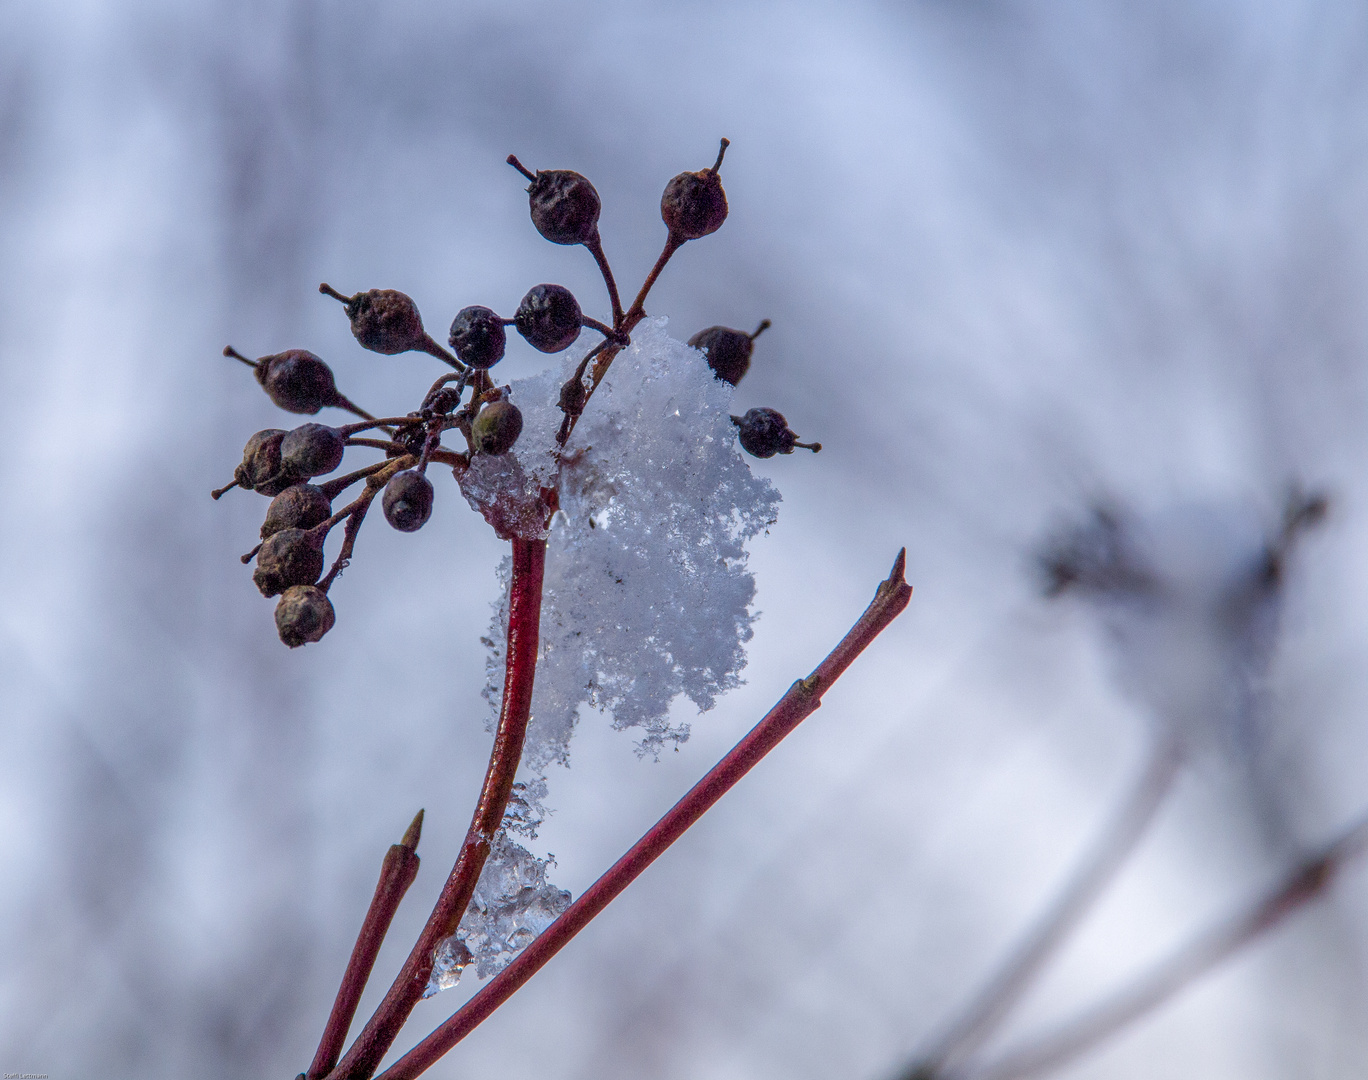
(396, 875)
(802, 699)
(524, 615)
(1111, 851)
(1189, 963)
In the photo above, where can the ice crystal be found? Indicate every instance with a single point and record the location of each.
(513, 903)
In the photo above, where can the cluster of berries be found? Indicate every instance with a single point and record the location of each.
(283, 465)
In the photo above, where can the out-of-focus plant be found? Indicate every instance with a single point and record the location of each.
(616, 480)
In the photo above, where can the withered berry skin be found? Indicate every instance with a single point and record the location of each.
(565, 206)
(303, 615)
(300, 506)
(477, 336)
(729, 351)
(694, 205)
(312, 450)
(385, 321)
(764, 433)
(261, 469)
(297, 381)
(496, 429)
(446, 400)
(289, 557)
(408, 500)
(549, 317)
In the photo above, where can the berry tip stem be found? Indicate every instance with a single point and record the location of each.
(513, 160)
(765, 324)
(721, 152)
(328, 290)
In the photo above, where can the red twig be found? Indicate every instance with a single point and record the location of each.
(802, 699)
(396, 875)
(524, 616)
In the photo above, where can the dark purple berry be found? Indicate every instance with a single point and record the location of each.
(301, 506)
(289, 557)
(445, 400)
(565, 207)
(304, 614)
(496, 429)
(694, 203)
(408, 500)
(297, 381)
(261, 468)
(383, 320)
(764, 433)
(477, 336)
(549, 317)
(312, 450)
(728, 351)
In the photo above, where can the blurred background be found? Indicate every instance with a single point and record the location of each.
(1020, 258)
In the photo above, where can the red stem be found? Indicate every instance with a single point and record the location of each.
(801, 701)
(524, 617)
(396, 875)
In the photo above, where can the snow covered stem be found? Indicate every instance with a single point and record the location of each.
(801, 701)
(524, 619)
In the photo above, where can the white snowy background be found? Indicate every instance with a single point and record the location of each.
(1018, 257)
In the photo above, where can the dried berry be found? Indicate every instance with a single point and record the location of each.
(764, 433)
(289, 557)
(445, 400)
(261, 467)
(312, 450)
(383, 320)
(477, 336)
(408, 500)
(297, 381)
(409, 439)
(496, 429)
(728, 351)
(694, 203)
(300, 506)
(565, 207)
(304, 614)
(549, 317)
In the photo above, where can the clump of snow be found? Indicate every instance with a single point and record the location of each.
(646, 595)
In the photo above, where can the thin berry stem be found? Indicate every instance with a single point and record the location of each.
(721, 151)
(378, 444)
(1110, 852)
(624, 328)
(218, 493)
(595, 246)
(333, 488)
(524, 617)
(228, 350)
(513, 160)
(397, 871)
(608, 332)
(765, 324)
(1306, 882)
(328, 290)
(802, 699)
(430, 346)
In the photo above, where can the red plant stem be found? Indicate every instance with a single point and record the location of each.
(1304, 883)
(397, 872)
(801, 701)
(524, 618)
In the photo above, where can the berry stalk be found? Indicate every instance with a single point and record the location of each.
(397, 872)
(801, 701)
(524, 620)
